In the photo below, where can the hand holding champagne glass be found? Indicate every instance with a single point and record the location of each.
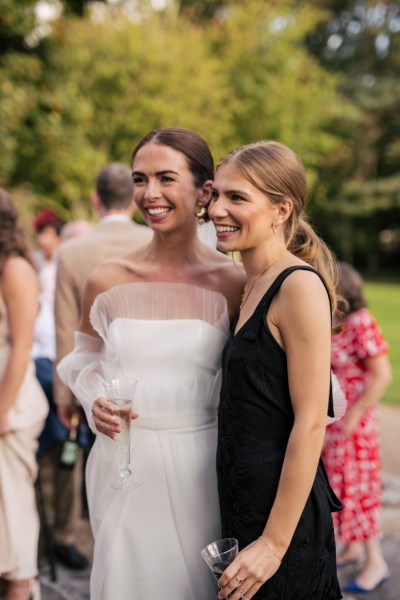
(219, 555)
(120, 391)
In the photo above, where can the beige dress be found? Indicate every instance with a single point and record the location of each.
(19, 523)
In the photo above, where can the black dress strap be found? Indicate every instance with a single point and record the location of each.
(253, 323)
(274, 287)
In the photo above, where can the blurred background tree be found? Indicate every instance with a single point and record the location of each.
(81, 82)
(360, 40)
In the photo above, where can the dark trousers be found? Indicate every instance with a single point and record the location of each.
(67, 484)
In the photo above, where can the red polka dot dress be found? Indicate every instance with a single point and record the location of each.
(353, 463)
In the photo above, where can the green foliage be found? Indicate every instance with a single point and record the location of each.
(142, 76)
(203, 10)
(383, 301)
(278, 90)
(101, 83)
(360, 39)
(18, 77)
(17, 19)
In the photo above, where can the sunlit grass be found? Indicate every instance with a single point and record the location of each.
(384, 303)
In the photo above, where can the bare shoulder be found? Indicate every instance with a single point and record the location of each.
(303, 299)
(19, 283)
(116, 271)
(105, 276)
(304, 285)
(17, 268)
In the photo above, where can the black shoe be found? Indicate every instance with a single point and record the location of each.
(70, 556)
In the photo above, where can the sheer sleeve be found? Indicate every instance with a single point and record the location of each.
(94, 360)
(82, 371)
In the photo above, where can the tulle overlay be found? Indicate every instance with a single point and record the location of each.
(170, 337)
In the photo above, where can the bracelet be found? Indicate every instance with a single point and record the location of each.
(270, 547)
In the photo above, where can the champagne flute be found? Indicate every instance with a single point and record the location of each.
(120, 391)
(219, 555)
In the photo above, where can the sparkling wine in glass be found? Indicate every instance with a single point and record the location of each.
(219, 555)
(120, 391)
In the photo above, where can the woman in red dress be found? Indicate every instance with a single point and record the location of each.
(351, 449)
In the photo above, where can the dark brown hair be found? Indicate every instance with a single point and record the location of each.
(350, 287)
(196, 150)
(12, 238)
(278, 172)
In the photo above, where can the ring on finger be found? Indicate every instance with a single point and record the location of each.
(239, 579)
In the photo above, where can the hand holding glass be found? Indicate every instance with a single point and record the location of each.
(219, 555)
(120, 392)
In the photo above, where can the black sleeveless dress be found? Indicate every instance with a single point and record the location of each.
(255, 422)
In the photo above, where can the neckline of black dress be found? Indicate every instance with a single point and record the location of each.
(272, 289)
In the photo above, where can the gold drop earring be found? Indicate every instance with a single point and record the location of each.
(200, 214)
(275, 224)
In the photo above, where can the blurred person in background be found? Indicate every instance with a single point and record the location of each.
(351, 448)
(50, 233)
(115, 234)
(47, 226)
(74, 229)
(23, 408)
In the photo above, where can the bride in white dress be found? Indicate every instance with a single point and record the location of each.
(160, 315)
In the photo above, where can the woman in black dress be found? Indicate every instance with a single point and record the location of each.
(276, 391)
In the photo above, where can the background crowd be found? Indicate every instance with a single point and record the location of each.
(30, 345)
(56, 276)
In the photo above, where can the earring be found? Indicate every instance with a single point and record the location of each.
(200, 214)
(275, 224)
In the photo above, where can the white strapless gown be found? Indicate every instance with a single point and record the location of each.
(148, 540)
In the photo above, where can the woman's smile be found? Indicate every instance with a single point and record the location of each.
(225, 231)
(158, 213)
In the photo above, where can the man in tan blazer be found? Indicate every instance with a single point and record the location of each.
(115, 234)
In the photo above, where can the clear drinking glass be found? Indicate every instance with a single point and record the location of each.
(121, 392)
(219, 555)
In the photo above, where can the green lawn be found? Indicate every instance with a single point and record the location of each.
(384, 303)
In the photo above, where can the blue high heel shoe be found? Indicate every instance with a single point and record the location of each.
(358, 589)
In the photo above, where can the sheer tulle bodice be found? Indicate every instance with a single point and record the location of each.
(170, 338)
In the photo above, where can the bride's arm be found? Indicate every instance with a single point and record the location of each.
(102, 412)
(93, 288)
(81, 369)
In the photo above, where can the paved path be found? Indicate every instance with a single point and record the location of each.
(74, 585)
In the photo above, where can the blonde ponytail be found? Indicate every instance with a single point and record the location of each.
(308, 246)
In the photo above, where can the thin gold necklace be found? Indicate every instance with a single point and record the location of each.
(253, 283)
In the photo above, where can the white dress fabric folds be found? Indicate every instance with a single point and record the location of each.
(19, 522)
(170, 338)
